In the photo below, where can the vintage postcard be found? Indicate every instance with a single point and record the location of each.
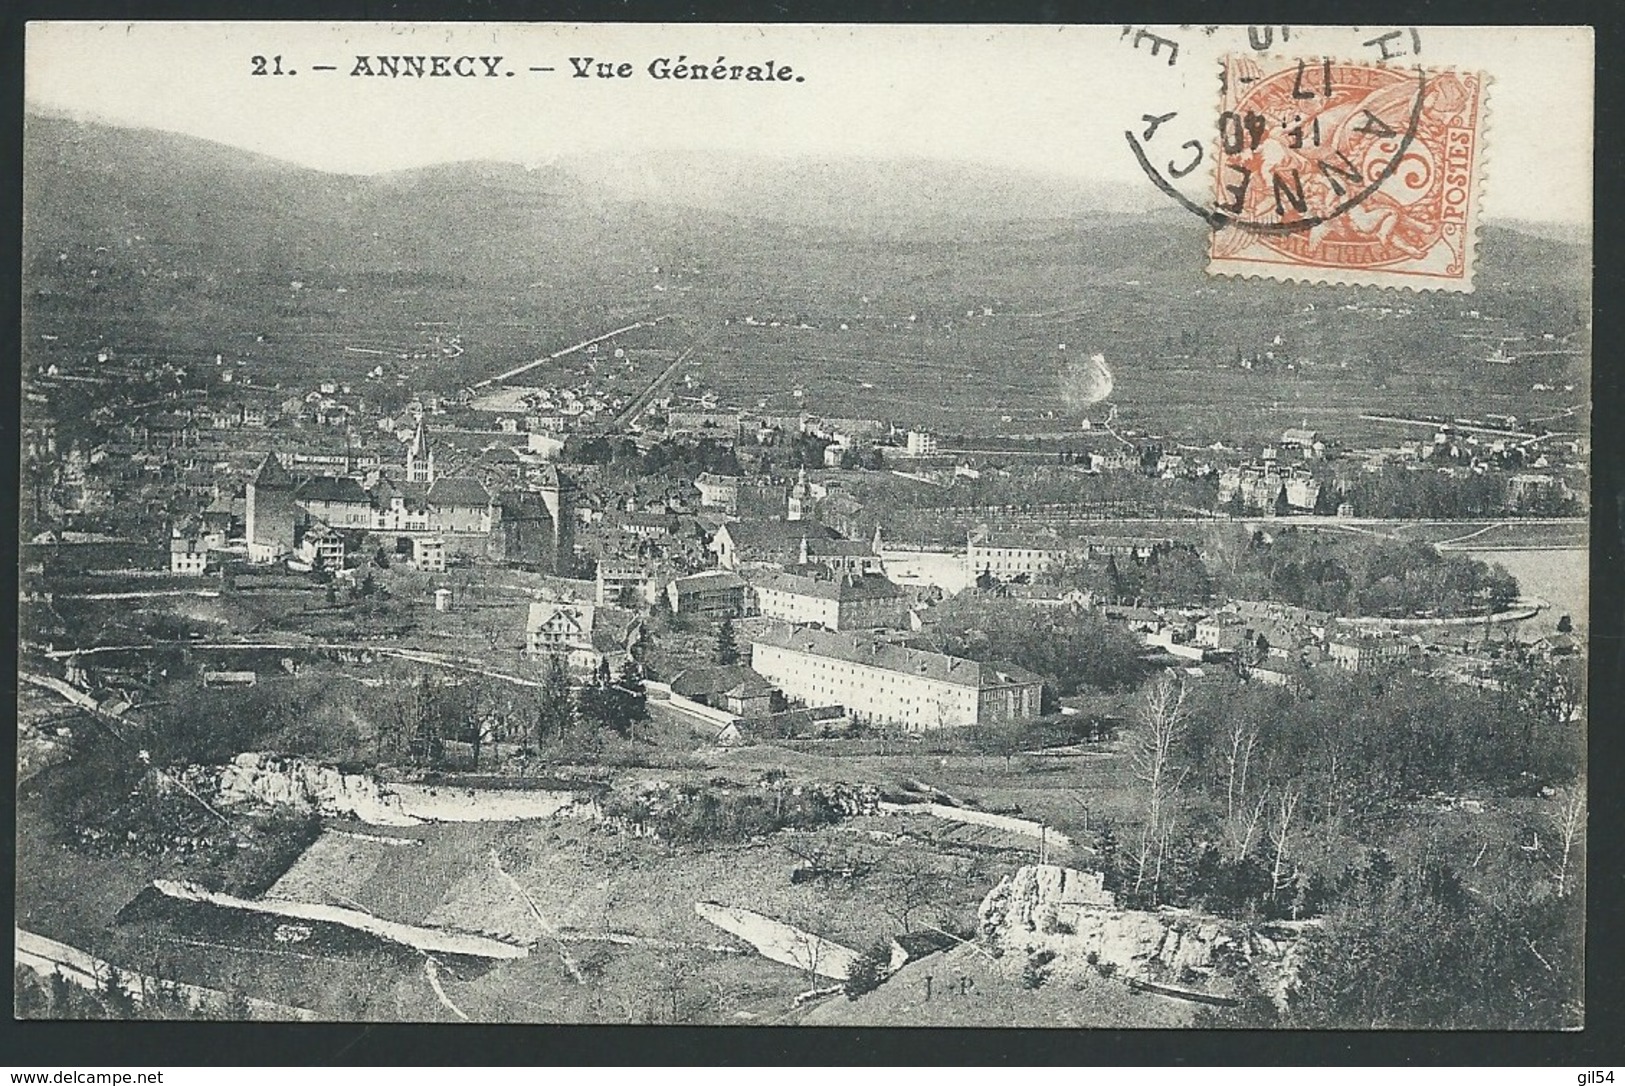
(1064, 526)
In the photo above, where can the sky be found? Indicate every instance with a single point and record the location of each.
(1050, 100)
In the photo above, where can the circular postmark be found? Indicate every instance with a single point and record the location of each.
(1343, 163)
(1285, 104)
(1318, 159)
(1293, 157)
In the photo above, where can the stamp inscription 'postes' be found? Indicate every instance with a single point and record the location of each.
(1345, 167)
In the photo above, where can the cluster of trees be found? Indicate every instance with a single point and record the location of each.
(685, 459)
(1344, 575)
(868, 458)
(1354, 576)
(1355, 742)
(1438, 496)
(795, 451)
(421, 714)
(128, 794)
(409, 718)
(1249, 799)
(1173, 578)
(56, 997)
(1070, 651)
(1415, 947)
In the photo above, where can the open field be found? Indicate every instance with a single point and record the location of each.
(969, 990)
(459, 273)
(1490, 535)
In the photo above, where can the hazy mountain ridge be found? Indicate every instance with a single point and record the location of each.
(182, 221)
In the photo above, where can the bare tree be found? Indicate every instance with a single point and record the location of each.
(680, 997)
(1281, 837)
(1569, 821)
(1243, 737)
(808, 946)
(910, 884)
(401, 717)
(1158, 726)
(1245, 828)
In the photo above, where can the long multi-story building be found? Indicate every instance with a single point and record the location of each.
(1369, 653)
(838, 602)
(712, 593)
(878, 682)
(1007, 555)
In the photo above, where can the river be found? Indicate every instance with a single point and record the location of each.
(1558, 575)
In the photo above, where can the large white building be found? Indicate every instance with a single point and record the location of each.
(878, 682)
(835, 602)
(1006, 555)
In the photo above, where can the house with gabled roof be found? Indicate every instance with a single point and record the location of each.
(844, 601)
(742, 543)
(712, 593)
(460, 504)
(733, 688)
(586, 636)
(339, 502)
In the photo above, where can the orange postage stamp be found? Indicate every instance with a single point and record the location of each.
(1354, 173)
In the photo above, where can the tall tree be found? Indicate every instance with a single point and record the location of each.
(634, 699)
(554, 711)
(727, 650)
(1158, 726)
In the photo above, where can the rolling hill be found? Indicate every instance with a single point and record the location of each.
(170, 244)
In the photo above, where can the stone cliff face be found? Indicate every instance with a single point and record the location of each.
(274, 781)
(1069, 914)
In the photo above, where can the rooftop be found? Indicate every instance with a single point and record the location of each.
(326, 488)
(271, 474)
(718, 679)
(459, 490)
(711, 578)
(837, 547)
(867, 587)
(859, 649)
(775, 533)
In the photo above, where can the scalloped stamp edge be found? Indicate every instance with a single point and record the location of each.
(1281, 268)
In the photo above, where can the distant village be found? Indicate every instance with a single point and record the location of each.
(222, 475)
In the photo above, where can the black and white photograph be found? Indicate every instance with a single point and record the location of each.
(1076, 527)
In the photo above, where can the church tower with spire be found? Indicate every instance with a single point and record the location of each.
(800, 503)
(420, 457)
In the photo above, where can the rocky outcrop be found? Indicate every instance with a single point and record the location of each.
(1044, 909)
(270, 780)
(428, 940)
(443, 803)
(781, 942)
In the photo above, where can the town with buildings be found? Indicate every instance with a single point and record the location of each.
(622, 614)
(200, 483)
(731, 584)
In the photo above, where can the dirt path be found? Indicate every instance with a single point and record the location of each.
(542, 922)
(431, 969)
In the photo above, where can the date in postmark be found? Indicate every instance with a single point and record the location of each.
(1347, 172)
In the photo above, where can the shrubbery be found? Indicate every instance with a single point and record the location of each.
(869, 971)
(697, 813)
